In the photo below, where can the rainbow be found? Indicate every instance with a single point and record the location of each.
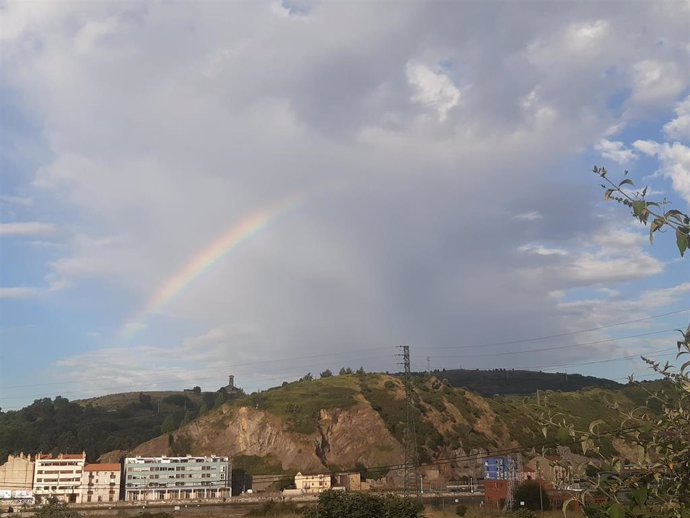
(237, 234)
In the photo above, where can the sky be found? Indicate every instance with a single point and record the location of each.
(195, 189)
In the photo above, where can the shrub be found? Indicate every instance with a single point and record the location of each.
(336, 504)
(532, 494)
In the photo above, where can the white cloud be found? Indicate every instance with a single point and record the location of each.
(88, 36)
(679, 128)
(17, 292)
(432, 89)
(204, 360)
(655, 81)
(27, 228)
(542, 250)
(615, 150)
(587, 34)
(24, 201)
(674, 160)
(615, 307)
(619, 256)
(532, 215)
(611, 255)
(599, 268)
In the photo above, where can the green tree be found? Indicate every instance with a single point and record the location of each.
(532, 494)
(221, 398)
(169, 424)
(326, 374)
(188, 417)
(307, 377)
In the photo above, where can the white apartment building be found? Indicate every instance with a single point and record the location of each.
(312, 483)
(59, 476)
(177, 478)
(100, 483)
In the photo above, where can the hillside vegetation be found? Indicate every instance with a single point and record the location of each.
(338, 422)
(509, 381)
(357, 421)
(98, 425)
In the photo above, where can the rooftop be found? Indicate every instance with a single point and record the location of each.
(102, 467)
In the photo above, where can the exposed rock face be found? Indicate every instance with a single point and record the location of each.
(357, 435)
(359, 420)
(345, 437)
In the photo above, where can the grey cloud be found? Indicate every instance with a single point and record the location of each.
(169, 124)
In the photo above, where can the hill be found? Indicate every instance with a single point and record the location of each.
(509, 381)
(353, 421)
(357, 422)
(99, 425)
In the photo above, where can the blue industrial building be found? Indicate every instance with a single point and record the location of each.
(500, 468)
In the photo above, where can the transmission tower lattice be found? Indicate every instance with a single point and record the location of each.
(411, 466)
(514, 468)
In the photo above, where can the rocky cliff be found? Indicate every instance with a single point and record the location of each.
(343, 422)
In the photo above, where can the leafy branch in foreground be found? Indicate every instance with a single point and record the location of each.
(651, 474)
(643, 209)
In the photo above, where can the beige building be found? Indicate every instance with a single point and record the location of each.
(59, 476)
(100, 483)
(312, 483)
(17, 480)
(552, 469)
(351, 482)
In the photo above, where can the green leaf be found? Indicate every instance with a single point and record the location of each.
(616, 511)
(639, 495)
(627, 181)
(681, 242)
(638, 207)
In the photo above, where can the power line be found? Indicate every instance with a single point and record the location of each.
(489, 453)
(554, 348)
(231, 365)
(529, 367)
(569, 333)
(293, 358)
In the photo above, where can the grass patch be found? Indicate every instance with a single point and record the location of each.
(299, 403)
(277, 508)
(255, 465)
